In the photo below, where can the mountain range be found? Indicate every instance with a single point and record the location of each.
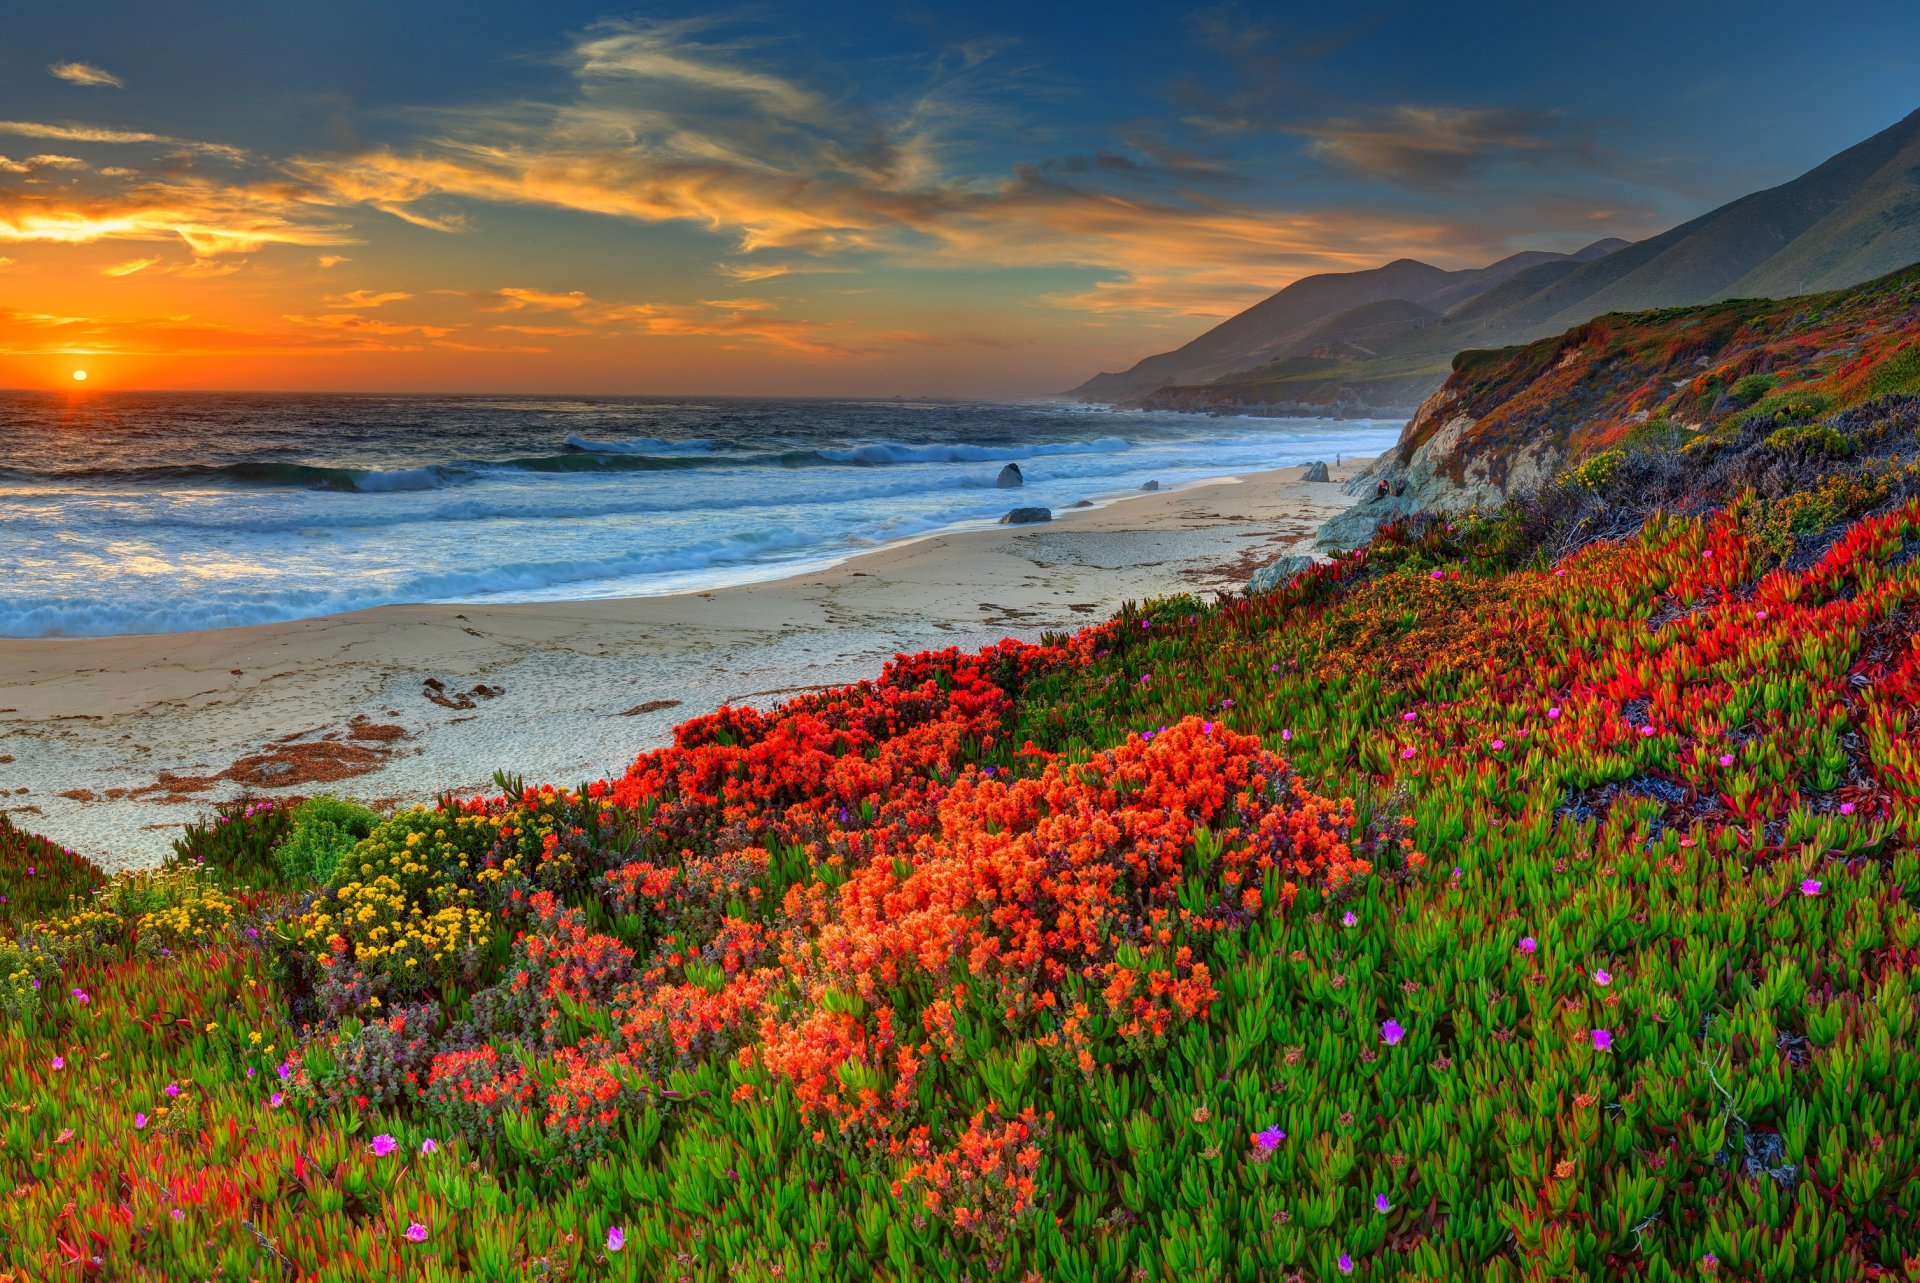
(1385, 337)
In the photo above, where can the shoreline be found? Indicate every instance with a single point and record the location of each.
(116, 741)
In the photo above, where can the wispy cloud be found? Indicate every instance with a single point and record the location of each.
(74, 133)
(367, 298)
(208, 218)
(1420, 146)
(129, 267)
(85, 73)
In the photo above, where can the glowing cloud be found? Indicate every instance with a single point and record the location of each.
(85, 73)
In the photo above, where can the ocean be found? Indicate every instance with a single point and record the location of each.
(158, 512)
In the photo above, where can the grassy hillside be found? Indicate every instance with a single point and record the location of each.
(1677, 377)
(1525, 897)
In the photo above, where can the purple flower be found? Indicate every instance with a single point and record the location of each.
(139, 1122)
(177, 1214)
(276, 1100)
(1408, 716)
(1553, 714)
(416, 1233)
(616, 1238)
(1846, 808)
(1602, 977)
(1646, 731)
(429, 1146)
(59, 1062)
(1726, 759)
(383, 1144)
(1602, 1040)
(1345, 1263)
(285, 1070)
(1391, 1032)
(1528, 944)
(173, 1089)
(80, 996)
(1269, 1140)
(1810, 887)
(1348, 920)
(1405, 753)
(1286, 735)
(1382, 1204)
(1433, 574)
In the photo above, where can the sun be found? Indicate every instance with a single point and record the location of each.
(79, 376)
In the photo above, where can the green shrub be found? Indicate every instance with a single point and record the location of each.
(1594, 473)
(324, 829)
(1793, 407)
(1751, 388)
(237, 840)
(1813, 438)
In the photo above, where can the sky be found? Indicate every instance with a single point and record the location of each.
(843, 198)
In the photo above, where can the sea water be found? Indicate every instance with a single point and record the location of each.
(162, 512)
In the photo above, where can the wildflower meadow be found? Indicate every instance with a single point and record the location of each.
(1479, 905)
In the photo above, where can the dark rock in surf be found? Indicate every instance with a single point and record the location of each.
(1026, 516)
(1010, 478)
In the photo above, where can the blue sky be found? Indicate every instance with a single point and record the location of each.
(992, 198)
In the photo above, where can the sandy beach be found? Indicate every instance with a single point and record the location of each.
(109, 744)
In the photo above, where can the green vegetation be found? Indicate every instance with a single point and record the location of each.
(324, 829)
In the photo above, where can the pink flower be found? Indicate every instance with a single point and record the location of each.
(1726, 759)
(1347, 919)
(1345, 1263)
(276, 1100)
(1528, 944)
(1646, 730)
(416, 1232)
(59, 1062)
(1406, 753)
(383, 1145)
(173, 1089)
(1602, 1040)
(1498, 745)
(616, 1238)
(1810, 887)
(1846, 808)
(1286, 735)
(1269, 1140)
(1391, 1032)
(139, 1122)
(1553, 714)
(1382, 1204)
(1434, 574)
(429, 1146)
(1408, 716)
(1603, 977)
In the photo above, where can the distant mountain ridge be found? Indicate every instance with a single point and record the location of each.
(1305, 309)
(1852, 218)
